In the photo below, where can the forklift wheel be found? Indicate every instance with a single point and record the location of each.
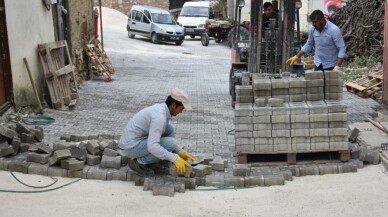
(205, 39)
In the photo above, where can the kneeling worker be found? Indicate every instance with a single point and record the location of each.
(149, 137)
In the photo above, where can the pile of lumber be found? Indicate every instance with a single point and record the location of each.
(367, 85)
(98, 62)
(363, 36)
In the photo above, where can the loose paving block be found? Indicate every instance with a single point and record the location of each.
(333, 75)
(287, 174)
(93, 147)
(16, 144)
(238, 182)
(4, 162)
(59, 146)
(57, 171)
(270, 180)
(369, 156)
(37, 158)
(139, 181)
(261, 102)
(218, 165)
(20, 129)
(105, 136)
(6, 151)
(96, 173)
(163, 190)
(106, 144)
(261, 84)
(353, 134)
(72, 164)
(43, 148)
(254, 180)
(354, 150)
(120, 174)
(202, 170)
(310, 170)
(78, 153)
(148, 184)
(38, 169)
(348, 168)
(92, 137)
(74, 138)
(18, 166)
(110, 152)
(110, 162)
(328, 169)
(297, 82)
(59, 155)
(24, 147)
(6, 132)
(241, 170)
(27, 138)
(38, 133)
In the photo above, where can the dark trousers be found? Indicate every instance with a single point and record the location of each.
(320, 68)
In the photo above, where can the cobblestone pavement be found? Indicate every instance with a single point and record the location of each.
(145, 73)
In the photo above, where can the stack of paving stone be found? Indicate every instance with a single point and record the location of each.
(300, 126)
(244, 94)
(297, 89)
(280, 89)
(314, 85)
(261, 89)
(333, 85)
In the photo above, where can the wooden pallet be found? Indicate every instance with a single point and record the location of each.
(272, 159)
(367, 86)
(99, 63)
(57, 74)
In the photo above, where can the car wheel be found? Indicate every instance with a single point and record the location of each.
(179, 42)
(205, 39)
(154, 38)
(131, 35)
(192, 36)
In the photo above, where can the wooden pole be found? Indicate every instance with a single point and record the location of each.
(33, 85)
(102, 34)
(385, 59)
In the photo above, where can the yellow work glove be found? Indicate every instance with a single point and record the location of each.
(185, 155)
(292, 60)
(180, 165)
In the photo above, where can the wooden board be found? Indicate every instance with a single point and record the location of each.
(367, 86)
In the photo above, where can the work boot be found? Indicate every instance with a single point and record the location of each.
(160, 168)
(140, 169)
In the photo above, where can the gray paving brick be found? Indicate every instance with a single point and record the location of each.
(57, 171)
(38, 169)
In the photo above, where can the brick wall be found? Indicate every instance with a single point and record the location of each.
(125, 5)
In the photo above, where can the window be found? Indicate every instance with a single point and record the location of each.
(138, 16)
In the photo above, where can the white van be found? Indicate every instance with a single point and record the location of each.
(154, 23)
(193, 17)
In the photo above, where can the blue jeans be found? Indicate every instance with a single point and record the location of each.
(320, 68)
(141, 153)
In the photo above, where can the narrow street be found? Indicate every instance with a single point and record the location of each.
(145, 73)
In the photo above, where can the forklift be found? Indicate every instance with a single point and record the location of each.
(266, 52)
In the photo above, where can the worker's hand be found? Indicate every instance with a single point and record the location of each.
(180, 165)
(292, 60)
(337, 68)
(183, 154)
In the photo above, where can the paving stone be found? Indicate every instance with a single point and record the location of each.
(6, 150)
(59, 155)
(262, 111)
(24, 147)
(4, 162)
(38, 169)
(354, 150)
(110, 162)
(20, 129)
(96, 173)
(245, 141)
(347, 168)
(243, 127)
(257, 180)
(275, 102)
(163, 190)
(59, 146)
(92, 137)
(93, 147)
(310, 170)
(300, 118)
(369, 156)
(243, 120)
(72, 164)
(261, 120)
(243, 109)
(110, 152)
(353, 134)
(202, 170)
(57, 171)
(76, 174)
(300, 132)
(139, 181)
(261, 102)
(270, 180)
(65, 137)
(235, 181)
(37, 157)
(215, 180)
(262, 133)
(319, 132)
(262, 127)
(280, 119)
(6, 132)
(243, 134)
(27, 138)
(218, 165)
(18, 166)
(287, 174)
(16, 144)
(83, 138)
(120, 174)
(38, 133)
(241, 170)
(74, 138)
(338, 124)
(328, 169)
(43, 148)
(281, 133)
(311, 75)
(244, 99)
(148, 184)
(78, 153)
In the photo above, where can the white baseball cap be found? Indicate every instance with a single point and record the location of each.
(181, 96)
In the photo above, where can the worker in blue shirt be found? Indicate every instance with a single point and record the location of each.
(328, 42)
(149, 136)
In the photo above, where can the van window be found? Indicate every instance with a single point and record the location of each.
(138, 15)
(189, 11)
(163, 19)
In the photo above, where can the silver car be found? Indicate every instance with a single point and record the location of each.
(154, 23)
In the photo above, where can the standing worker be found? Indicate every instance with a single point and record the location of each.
(328, 42)
(268, 14)
(149, 137)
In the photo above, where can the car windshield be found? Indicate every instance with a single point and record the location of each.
(194, 12)
(163, 19)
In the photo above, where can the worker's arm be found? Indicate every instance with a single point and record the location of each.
(309, 44)
(340, 44)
